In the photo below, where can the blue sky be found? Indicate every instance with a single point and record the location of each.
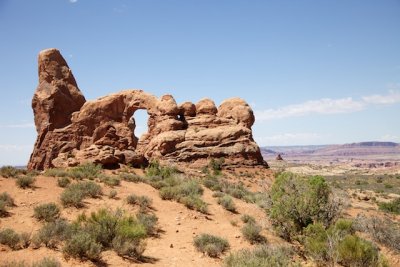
(315, 72)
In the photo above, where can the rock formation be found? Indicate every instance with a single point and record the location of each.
(279, 157)
(72, 130)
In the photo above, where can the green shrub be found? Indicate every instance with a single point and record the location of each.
(216, 165)
(149, 222)
(218, 194)
(388, 186)
(74, 194)
(115, 230)
(25, 239)
(184, 191)
(315, 242)
(155, 169)
(212, 183)
(82, 246)
(10, 238)
(297, 202)
(392, 206)
(248, 219)
(47, 262)
(262, 256)
(143, 202)
(382, 230)
(355, 251)
(9, 171)
(48, 212)
(227, 203)
(63, 182)
(194, 202)
(54, 172)
(213, 246)
(3, 209)
(25, 181)
(110, 180)
(72, 197)
(52, 233)
(252, 232)
(113, 194)
(88, 171)
(131, 177)
(7, 199)
(324, 245)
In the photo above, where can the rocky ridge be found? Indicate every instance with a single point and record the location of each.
(72, 130)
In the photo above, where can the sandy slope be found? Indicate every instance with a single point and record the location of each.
(173, 247)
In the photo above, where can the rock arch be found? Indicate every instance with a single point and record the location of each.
(100, 131)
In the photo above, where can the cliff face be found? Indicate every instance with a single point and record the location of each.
(72, 131)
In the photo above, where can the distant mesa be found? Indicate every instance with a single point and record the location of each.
(72, 130)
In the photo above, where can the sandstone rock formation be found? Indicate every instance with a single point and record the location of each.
(72, 130)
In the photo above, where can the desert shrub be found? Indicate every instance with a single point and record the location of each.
(252, 232)
(236, 190)
(194, 202)
(218, 194)
(262, 256)
(3, 209)
(55, 172)
(247, 218)
(7, 199)
(110, 181)
(115, 230)
(184, 191)
(9, 171)
(25, 239)
(392, 206)
(131, 177)
(216, 165)
(82, 246)
(88, 171)
(149, 221)
(227, 203)
(213, 246)
(326, 245)
(10, 238)
(52, 233)
(143, 202)
(315, 242)
(355, 251)
(212, 183)
(72, 197)
(155, 169)
(388, 186)
(63, 182)
(113, 194)
(74, 194)
(297, 202)
(382, 230)
(47, 262)
(25, 181)
(46, 212)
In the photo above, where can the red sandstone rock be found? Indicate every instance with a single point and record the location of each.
(72, 131)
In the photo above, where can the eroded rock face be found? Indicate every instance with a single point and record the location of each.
(72, 131)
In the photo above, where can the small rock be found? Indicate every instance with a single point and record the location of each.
(177, 231)
(171, 246)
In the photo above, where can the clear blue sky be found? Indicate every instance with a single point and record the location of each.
(315, 72)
